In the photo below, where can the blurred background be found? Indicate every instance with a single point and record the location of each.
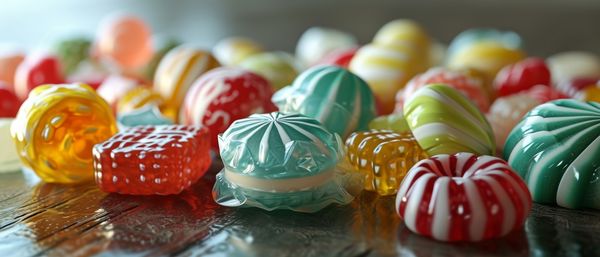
(546, 26)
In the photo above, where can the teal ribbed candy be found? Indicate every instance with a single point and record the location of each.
(279, 161)
(336, 97)
(556, 149)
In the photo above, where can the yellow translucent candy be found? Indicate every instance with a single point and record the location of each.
(384, 157)
(138, 98)
(56, 128)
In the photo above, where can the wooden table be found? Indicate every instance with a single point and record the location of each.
(38, 219)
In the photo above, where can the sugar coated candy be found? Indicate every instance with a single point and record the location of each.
(506, 112)
(280, 161)
(334, 96)
(444, 121)
(463, 197)
(56, 128)
(9, 159)
(125, 40)
(316, 42)
(224, 95)
(233, 50)
(384, 157)
(279, 68)
(37, 69)
(555, 150)
(394, 122)
(147, 160)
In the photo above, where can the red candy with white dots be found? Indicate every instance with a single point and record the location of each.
(522, 76)
(463, 197)
(9, 103)
(149, 160)
(37, 70)
(224, 95)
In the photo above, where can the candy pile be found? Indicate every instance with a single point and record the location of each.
(397, 116)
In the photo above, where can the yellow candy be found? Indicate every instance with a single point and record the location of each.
(56, 128)
(232, 51)
(591, 93)
(384, 157)
(138, 98)
(402, 31)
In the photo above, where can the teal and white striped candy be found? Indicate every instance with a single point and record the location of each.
(556, 149)
(336, 97)
(444, 121)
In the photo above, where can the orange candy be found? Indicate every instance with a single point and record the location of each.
(126, 40)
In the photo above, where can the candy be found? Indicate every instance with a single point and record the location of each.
(56, 128)
(544, 93)
(71, 52)
(394, 122)
(9, 159)
(444, 121)
(224, 95)
(337, 98)
(471, 87)
(340, 57)
(114, 88)
(317, 42)
(591, 93)
(521, 76)
(9, 61)
(555, 149)
(403, 32)
(279, 161)
(164, 47)
(571, 65)
(176, 73)
(505, 114)
(279, 68)
(147, 160)
(572, 87)
(467, 38)
(385, 69)
(124, 39)
(231, 51)
(146, 115)
(383, 157)
(137, 98)
(9, 103)
(36, 70)
(463, 197)
(90, 71)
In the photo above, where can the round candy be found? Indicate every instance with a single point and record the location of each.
(279, 68)
(56, 128)
(340, 57)
(9, 103)
(164, 46)
(544, 93)
(444, 121)
(224, 95)
(71, 52)
(463, 197)
(394, 122)
(505, 114)
(471, 87)
(9, 159)
(571, 65)
(231, 51)
(385, 69)
(337, 98)
(589, 94)
(176, 73)
(36, 70)
(403, 32)
(383, 157)
(137, 98)
(521, 76)
(555, 149)
(9, 61)
(467, 38)
(114, 88)
(279, 161)
(124, 39)
(317, 42)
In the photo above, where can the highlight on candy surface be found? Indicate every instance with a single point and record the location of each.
(125, 40)
(232, 51)
(394, 122)
(138, 98)
(280, 161)
(56, 128)
(383, 157)
(463, 197)
(147, 160)
(555, 150)
(334, 96)
(316, 42)
(444, 121)
(9, 159)
(37, 69)
(522, 76)
(279, 68)
(506, 112)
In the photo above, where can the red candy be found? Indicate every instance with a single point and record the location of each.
(522, 76)
(35, 71)
(544, 93)
(340, 58)
(572, 87)
(149, 160)
(223, 95)
(9, 103)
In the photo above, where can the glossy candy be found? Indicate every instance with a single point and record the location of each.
(555, 149)
(148, 160)
(9, 61)
(463, 197)
(56, 128)
(114, 88)
(9, 103)
(146, 115)
(176, 73)
(279, 68)
(544, 93)
(124, 39)
(522, 76)
(467, 38)
(337, 98)
(407, 34)
(279, 161)
(340, 57)
(316, 42)
(224, 95)
(232, 51)
(36, 70)
(470, 86)
(137, 98)
(383, 157)
(394, 122)
(9, 159)
(567, 66)
(444, 121)
(506, 112)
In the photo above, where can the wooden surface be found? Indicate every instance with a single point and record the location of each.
(38, 219)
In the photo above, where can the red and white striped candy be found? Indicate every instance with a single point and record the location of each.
(463, 197)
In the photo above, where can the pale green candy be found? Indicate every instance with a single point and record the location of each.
(147, 115)
(556, 149)
(279, 68)
(444, 121)
(394, 122)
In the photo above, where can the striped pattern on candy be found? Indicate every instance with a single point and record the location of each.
(444, 121)
(332, 95)
(463, 197)
(555, 149)
(506, 112)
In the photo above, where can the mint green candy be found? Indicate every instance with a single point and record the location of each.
(556, 149)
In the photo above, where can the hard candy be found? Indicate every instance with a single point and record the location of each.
(522, 76)
(467, 38)
(71, 52)
(279, 68)
(35, 70)
(138, 97)
(125, 40)
(506, 112)
(316, 42)
(340, 58)
(9, 61)
(567, 66)
(146, 115)
(9, 103)
(394, 122)
(233, 50)
(114, 88)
